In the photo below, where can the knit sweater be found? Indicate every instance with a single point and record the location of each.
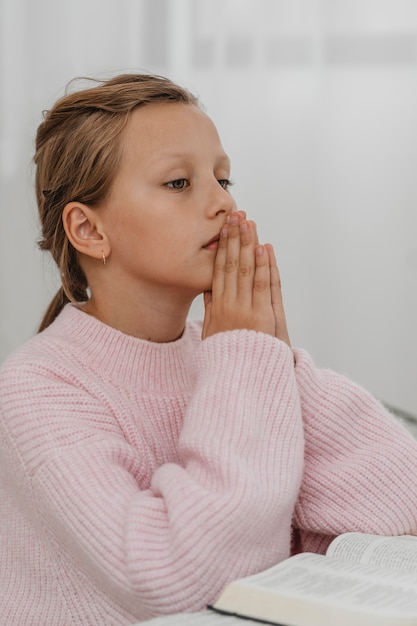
(137, 479)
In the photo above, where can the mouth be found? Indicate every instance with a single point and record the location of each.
(213, 244)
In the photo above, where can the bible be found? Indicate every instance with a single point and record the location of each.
(365, 580)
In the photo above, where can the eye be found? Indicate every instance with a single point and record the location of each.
(225, 183)
(179, 184)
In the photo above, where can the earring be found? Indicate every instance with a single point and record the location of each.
(103, 258)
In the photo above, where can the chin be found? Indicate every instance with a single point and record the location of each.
(207, 287)
(205, 284)
(200, 283)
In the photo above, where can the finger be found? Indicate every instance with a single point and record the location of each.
(246, 264)
(281, 330)
(207, 311)
(221, 260)
(262, 280)
(255, 230)
(232, 257)
(217, 286)
(240, 214)
(207, 298)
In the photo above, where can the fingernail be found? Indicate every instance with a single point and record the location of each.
(223, 231)
(234, 219)
(244, 227)
(259, 250)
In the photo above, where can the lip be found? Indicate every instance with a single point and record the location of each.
(213, 243)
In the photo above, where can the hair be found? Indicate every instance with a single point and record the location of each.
(77, 155)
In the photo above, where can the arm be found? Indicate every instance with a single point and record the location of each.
(360, 462)
(162, 538)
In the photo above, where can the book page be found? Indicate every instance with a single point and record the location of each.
(398, 554)
(316, 581)
(323, 577)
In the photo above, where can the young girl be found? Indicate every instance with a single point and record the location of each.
(146, 460)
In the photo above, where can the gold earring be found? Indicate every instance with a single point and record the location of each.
(103, 258)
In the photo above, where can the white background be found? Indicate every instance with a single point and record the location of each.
(316, 103)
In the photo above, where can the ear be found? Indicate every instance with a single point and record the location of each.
(83, 229)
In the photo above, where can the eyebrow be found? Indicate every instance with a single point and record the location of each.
(221, 159)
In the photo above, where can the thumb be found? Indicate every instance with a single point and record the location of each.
(207, 298)
(207, 307)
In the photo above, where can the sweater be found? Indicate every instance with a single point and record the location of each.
(137, 478)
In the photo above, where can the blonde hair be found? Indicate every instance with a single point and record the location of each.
(78, 150)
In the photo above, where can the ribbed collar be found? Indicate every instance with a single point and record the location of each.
(119, 357)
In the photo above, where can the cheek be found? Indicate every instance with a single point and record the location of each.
(128, 231)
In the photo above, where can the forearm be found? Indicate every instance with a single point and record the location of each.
(360, 463)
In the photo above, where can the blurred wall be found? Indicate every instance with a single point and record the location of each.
(316, 103)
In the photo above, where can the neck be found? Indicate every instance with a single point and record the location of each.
(160, 320)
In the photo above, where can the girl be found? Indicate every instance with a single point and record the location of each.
(146, 460)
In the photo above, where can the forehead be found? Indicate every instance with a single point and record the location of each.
(166, 127)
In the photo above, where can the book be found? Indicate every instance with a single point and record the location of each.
(363, 580)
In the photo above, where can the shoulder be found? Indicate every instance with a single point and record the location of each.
(49, 354)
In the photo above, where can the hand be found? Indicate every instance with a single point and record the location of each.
(241, 295)
(281, 331)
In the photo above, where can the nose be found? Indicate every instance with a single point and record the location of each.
(220, 201)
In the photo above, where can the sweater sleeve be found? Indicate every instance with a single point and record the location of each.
(360, 469)
(224, 510)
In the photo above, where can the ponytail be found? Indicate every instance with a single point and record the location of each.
(54, 309)
(74, 285)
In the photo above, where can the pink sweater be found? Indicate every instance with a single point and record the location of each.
(136, 479)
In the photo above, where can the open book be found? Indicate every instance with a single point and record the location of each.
(364, 580)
